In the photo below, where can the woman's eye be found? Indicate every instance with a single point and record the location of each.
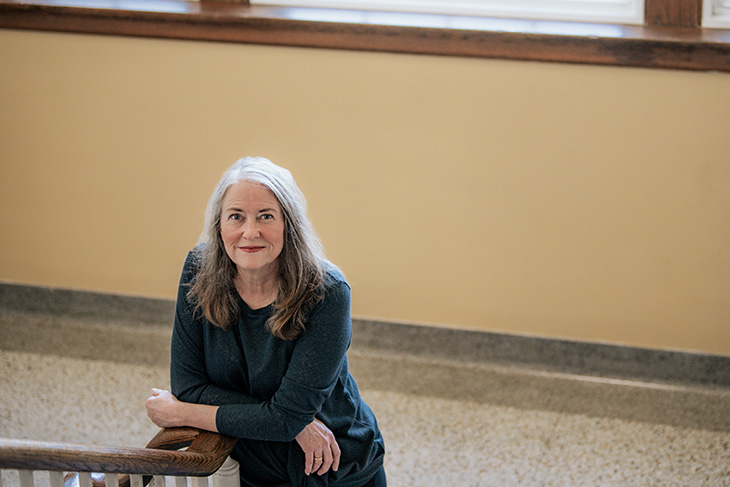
(235, 216)
(266, 216)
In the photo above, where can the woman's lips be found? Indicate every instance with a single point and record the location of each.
(251, 249)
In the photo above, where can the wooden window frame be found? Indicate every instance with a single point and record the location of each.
(670, 39)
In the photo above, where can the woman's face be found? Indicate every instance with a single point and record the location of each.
(252, 228)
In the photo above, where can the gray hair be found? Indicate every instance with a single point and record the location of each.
(281, 182)
(301, 260)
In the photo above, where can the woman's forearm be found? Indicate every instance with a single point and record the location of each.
(208, 393)
(200, 416)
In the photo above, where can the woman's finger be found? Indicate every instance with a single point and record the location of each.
(326, 463)
(308, 462)
(335, 455)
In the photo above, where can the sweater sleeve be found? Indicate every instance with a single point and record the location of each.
(316, 362)
(188, 376)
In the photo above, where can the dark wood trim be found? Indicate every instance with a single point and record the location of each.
(617, 45)
(673, 13)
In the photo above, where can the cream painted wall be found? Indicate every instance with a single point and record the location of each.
(590, 203)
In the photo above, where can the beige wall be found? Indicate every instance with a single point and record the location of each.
(590, 203)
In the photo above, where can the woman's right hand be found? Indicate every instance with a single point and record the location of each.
(166, 411)
(321, 451)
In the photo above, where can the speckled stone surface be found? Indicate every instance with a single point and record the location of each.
(431, 440)
(80, 376)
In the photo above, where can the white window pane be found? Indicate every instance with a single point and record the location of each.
(716, 13)
(620, 11)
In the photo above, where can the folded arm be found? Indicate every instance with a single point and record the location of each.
(290, 414)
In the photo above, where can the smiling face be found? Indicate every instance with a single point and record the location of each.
(252, 228)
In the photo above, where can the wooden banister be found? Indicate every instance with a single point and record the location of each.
(205, 454)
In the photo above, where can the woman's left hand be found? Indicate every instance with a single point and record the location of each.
(321, 451)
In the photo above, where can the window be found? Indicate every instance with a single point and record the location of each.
(716, 13)
(610, 11)
(670, 39)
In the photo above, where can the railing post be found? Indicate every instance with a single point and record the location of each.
(227, 475)
(55, 479)
(135, 481)
(26, 478)
(112, 480)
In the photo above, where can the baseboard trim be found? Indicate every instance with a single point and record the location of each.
(429, 342)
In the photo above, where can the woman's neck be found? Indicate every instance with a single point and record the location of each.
(256, 289)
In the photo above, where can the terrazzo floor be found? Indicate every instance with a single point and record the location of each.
(445, 423)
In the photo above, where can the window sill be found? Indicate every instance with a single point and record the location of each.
(569, 42)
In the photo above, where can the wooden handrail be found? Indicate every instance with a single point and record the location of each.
(205, 454)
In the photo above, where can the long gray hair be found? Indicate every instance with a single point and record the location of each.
(301, 261)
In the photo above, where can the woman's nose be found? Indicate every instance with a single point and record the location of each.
(251, 230)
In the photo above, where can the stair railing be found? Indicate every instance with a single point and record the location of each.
(205, 459)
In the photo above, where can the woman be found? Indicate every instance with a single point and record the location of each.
(262, 326)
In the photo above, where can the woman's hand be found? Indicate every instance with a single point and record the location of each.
(164, 409)
(321, 451)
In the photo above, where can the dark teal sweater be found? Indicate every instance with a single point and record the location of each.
(269, 389)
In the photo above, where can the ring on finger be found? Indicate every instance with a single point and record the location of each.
(317, 459)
